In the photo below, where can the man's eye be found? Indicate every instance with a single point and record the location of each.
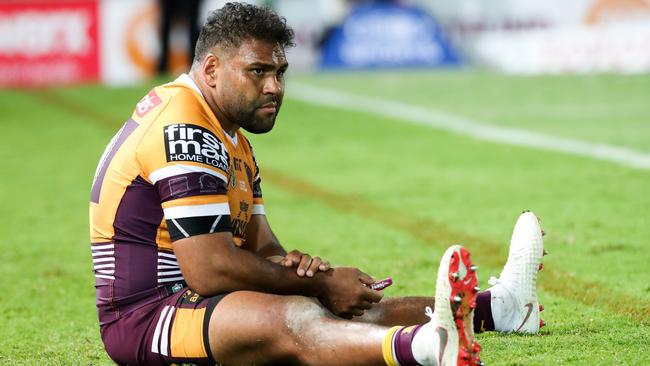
(281, 73)
(258, 72)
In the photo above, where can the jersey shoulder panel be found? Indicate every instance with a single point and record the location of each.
(183, 156)
(183, 133)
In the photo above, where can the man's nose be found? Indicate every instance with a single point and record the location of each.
(272, 86)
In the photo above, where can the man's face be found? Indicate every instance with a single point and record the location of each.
(250, 85)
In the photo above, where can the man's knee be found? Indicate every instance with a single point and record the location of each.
(303, 313)
(304, 318)
(249, 325)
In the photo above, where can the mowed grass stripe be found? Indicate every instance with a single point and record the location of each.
(437, 119)
(487, 251)
(553, 280)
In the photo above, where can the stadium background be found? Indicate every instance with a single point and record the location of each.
(405, 128)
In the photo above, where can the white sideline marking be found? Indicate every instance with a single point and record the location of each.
(465, 126)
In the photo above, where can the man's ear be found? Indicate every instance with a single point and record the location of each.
(210, 66)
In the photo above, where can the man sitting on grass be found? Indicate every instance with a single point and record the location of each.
(188, 270)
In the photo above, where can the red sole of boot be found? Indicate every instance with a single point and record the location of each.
(463, 302)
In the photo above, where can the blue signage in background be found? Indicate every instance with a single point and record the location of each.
(386, 36)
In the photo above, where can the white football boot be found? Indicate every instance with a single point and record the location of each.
(451, 327)
(515, 307)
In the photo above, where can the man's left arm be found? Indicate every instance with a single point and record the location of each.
(261, 241)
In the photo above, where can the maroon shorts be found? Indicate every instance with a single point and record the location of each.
(173, 330)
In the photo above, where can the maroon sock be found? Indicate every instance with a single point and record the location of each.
(483, 312)
(402, 342)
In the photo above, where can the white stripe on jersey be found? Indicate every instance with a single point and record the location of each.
(170, 279)
(167, 255)
(96, 248)
(187, 80)
(156, 333)
(106, 259)
(178, 169)
(258, 210)
(169, 273)
(167, 266)
(179, 227)
(105, 276)
(164, 339)
(214, 224)
(212, 209)
(166, 261)
(105, 252)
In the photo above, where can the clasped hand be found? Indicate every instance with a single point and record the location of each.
(305, 264)
(344, 293)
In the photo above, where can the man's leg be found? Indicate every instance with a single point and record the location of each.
(517, 287)
(392, 311)
(408, 310)
(257, 328)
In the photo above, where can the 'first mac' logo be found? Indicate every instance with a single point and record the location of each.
(185, 142)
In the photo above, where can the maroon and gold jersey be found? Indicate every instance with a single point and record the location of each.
(170, 172)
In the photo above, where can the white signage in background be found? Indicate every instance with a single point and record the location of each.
(554, 36)
(35, 33)
(311, 20)
(622, 48)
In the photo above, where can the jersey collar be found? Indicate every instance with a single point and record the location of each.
(187, 80)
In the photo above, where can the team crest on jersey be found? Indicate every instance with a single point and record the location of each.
(233, 178)
(186, 142)
(147, 103)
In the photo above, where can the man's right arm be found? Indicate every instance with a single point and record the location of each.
(194, 201)
(212, 264)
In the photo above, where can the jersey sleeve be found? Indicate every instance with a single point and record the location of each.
(187, 164)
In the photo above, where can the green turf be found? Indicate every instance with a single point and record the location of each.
(386, 175)
(601, 108)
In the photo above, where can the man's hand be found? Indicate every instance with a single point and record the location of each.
(306, 265)
(345, 292)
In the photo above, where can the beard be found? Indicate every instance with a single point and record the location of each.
(251, 119)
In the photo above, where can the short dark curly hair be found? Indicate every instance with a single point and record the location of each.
(237, 22)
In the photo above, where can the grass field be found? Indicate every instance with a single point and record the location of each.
(370, 191)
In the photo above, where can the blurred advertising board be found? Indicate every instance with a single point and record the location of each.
(618, 48)
(551, 36)
(386, 35)
(46, 42)
(129, 40)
